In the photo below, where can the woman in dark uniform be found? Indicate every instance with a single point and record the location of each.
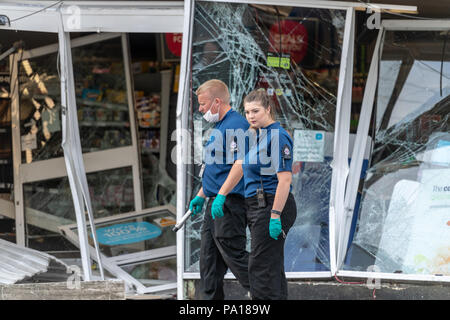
(271, 209)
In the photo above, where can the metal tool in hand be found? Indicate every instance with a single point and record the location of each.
(180, 224)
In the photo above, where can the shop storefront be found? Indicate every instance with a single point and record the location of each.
(89, 95)
(100, 123)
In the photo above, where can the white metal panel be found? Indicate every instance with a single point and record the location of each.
(69, 144)
(289, 275)
(416, 25)
(95, 16)
(326, 4)
(17, 262)
(146, 255)
(359, 149)
(393, 276)
(137, 182)
(341, 137)
(94, 161)
(182, 147)
(17, 153)
(31, 16)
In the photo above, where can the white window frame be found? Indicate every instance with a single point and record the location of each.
(361, 138)
(95, 16)
(114, 264)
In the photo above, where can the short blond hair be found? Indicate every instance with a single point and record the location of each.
(216, 88)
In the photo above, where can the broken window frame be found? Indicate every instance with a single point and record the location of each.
(184, 151)
(361, 139)
(94, 161)
(342, 122)
(114, 264)
(80, 16)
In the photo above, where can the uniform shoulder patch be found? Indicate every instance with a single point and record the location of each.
(286, 152)
(234, 145)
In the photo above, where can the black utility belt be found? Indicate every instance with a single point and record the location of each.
(230, 196)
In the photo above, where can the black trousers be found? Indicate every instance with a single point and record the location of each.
(266, 261)
(223, 242)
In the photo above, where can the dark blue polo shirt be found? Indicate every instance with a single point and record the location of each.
(221, 152)
(268, 151)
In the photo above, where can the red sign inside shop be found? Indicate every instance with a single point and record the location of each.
(174, 41)
(294, 38)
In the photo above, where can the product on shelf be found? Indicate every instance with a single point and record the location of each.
(148, 110)
(145, 67)
(91, 94)
(115, 96)
(150, 140)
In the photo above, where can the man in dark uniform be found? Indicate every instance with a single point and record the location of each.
(223, 240)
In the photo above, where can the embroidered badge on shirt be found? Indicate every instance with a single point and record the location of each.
(233, 146)
(286, 152)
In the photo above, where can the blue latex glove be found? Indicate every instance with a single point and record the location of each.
(274, 228)
(217, 206)
(196, 205)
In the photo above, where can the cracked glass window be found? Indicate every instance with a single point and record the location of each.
(49, 204)
(293, 53)
(101, 93)
(40, 105)
(404, 220)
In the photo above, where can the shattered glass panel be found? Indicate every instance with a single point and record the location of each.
(403, 224)
(40, 105)
(49, 204)
(101, 93)
(154, 273)
(293, 53)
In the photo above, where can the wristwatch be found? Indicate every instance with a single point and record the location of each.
(276, 212)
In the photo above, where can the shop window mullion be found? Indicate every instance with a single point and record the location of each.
(17, 153)
(358, 150)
